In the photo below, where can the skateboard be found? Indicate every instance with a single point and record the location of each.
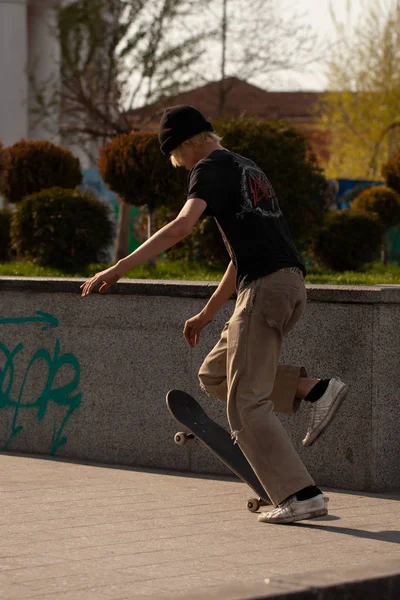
(188, 412)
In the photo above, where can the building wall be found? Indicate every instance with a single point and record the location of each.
(28, 46)
(14, 121)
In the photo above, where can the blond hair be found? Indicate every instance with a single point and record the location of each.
(197, 140)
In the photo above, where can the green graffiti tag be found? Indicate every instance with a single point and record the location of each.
(41, 317)
(63, 395)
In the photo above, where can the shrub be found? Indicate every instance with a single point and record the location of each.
(286, 157)
(347, 241)
(5, 226)
(2, 164)
(133, 166)
(34, 165)
(391, 172)
(203, 245)
(61, 228)
(380, 202)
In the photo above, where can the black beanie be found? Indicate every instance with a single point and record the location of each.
(178, 124)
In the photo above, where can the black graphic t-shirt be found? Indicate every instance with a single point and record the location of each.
(245, 207)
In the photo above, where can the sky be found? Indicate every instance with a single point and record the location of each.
(319, 17)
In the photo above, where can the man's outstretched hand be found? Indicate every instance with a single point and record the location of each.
(193, 328)
(108, 278)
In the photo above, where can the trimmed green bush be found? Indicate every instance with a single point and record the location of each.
(61, 228)
(204, 245)
(5, 226)
(2, 164)
(34, 165)
(391, 172)
(286, 157)
(133, 166)
(380, 202)
(347, 241)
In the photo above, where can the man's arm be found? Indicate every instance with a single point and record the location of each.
(221, 295)
(166, 237)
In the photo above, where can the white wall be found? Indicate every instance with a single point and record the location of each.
(27, 43)
(14, 122)
(44, 63)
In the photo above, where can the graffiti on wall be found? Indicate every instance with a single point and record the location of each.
(13, 394)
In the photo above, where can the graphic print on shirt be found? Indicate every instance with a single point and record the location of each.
(257, 192)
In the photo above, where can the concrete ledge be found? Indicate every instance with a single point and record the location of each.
(377, 581)
(199, 289)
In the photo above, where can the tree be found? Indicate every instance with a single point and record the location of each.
(362, 110)
(133, 166)
(117, 55)
(255, 39)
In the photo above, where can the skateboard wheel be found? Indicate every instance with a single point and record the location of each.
(181, 438)
(253, 504)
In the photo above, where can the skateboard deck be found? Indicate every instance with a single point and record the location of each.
(188, 412)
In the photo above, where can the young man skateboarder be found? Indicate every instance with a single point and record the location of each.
(267, 273)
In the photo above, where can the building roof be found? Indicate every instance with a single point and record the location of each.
(242, 99)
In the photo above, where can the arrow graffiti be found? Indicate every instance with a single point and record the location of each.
(41, 317)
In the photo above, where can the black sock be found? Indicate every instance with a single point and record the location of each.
(317, 391)
(309, 492)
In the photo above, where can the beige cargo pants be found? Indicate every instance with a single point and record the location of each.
(243, 370)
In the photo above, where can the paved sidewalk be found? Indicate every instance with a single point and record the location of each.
(78, 532)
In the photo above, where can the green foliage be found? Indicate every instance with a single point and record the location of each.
(133, 166)
(285, 156)
(5, 226)
(2, 164)
(32, 166)
(391, 172)
(382, 203)
(121, 55)
(347, 241)
(204, 245)
(364, 71)
(61, 228)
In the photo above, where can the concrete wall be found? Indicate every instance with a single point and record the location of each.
(92, 384)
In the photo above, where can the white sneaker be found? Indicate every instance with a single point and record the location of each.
(325, 409)
(292, 510)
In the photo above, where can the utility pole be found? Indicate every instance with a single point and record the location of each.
(224, 29)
